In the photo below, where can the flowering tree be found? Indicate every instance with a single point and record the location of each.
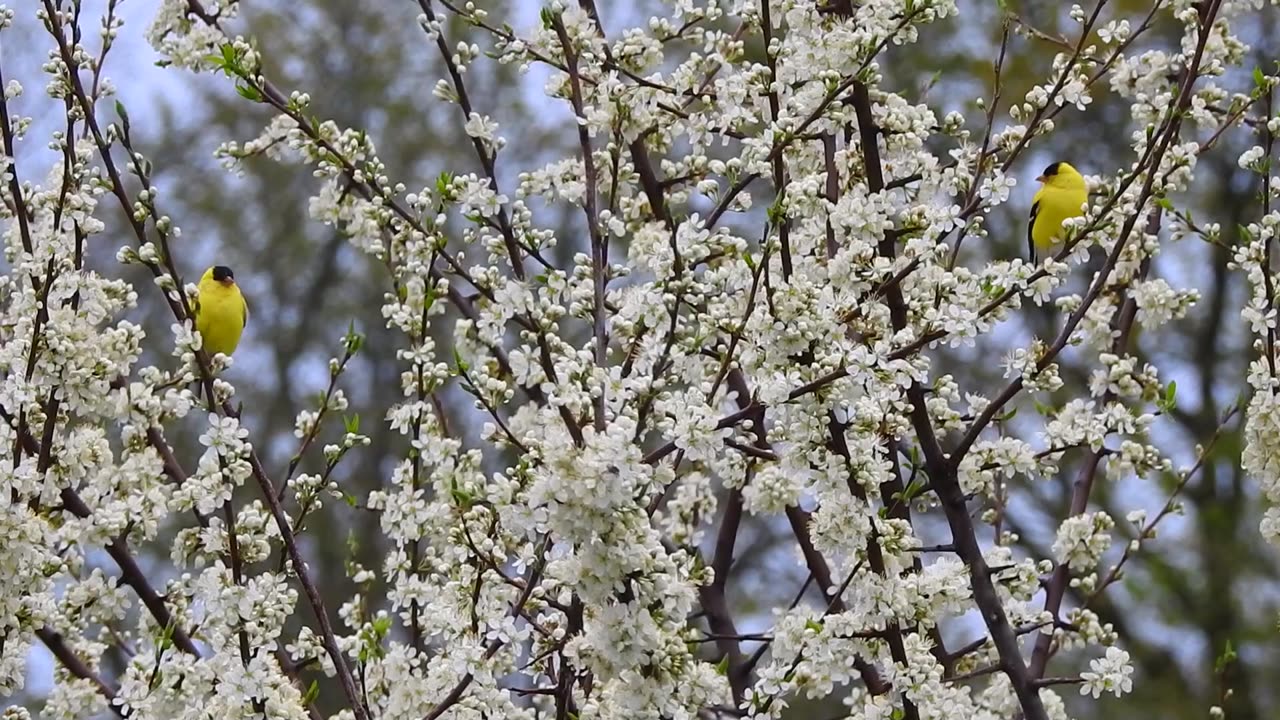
(752, 322)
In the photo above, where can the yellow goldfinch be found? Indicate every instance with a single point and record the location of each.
(1060, 197)
(221, 312)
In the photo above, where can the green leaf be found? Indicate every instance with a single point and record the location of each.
(166, 636)
(1259, 77)
(248, 92)
(124, 116)
(461, 498)
(313, 691)
(933, 80)
(1171, 395)
(776, 212)
(443, 182)
(352, 424)
(913, 489)
(811, 625)
(353, 340)
(1227, 657)
(722, 667)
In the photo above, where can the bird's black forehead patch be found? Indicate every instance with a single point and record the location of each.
(1051, 170)
(222, 272)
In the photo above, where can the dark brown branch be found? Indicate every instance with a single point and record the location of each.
(1050, 105)
(1267, 280)
(314, 431)
(77, 667)
(870, 142)
(832, 188)
(834, 605)
(818, 568)
(133, 576)
(658, 454)
(309, 587)
(981, 165)
(1046, 682)
(20, 209)
(712, 596)
(749, 450)
(488, 160)
(459, 688)
(778, 164)
(599, 245)
(839, 90)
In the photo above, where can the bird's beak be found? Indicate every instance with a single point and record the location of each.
(1040, 178)
(229, 282)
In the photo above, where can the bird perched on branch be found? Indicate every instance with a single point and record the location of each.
(221, 311)
(1061, 197)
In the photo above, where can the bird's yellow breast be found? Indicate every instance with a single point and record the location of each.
(1054, 206)
(220, 317)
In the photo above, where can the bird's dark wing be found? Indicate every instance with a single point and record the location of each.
(1031, 226)
(195, 308)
